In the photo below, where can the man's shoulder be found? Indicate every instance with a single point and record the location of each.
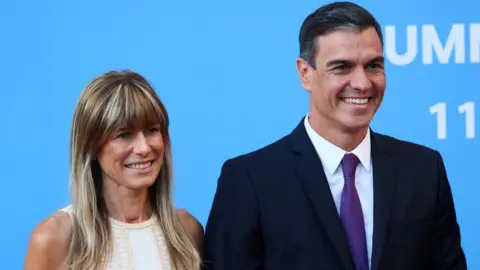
(274, 152)
(401, 147)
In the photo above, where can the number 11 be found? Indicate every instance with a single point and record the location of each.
(440, 109)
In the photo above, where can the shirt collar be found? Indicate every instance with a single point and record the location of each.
(331, 155)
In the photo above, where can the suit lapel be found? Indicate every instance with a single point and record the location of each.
(314, 181)
(383, 193)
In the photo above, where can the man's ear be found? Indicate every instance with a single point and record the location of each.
(305, 73)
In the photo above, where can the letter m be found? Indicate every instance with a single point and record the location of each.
(455, 41)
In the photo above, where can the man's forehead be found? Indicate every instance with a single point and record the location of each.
(349, 44)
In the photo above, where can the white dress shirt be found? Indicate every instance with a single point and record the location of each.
(331, 157)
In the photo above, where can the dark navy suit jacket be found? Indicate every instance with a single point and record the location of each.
(273, 210)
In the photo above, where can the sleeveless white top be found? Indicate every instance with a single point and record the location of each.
(139, 246)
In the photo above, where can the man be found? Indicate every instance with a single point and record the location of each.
(333, 194)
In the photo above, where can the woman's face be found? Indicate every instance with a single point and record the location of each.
(132, 158)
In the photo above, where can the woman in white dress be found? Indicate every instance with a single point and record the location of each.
(122, 215)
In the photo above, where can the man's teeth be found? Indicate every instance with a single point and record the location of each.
(359, 101)
(139, 166)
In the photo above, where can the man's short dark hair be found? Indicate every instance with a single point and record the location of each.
(331, 17)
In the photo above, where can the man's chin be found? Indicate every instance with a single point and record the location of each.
(356, 125)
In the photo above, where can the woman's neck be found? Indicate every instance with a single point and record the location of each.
(126, 205)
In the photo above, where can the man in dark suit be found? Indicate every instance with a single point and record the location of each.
(334, 194)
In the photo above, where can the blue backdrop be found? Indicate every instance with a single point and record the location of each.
(226, 72)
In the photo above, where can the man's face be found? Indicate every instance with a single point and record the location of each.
(348, 84)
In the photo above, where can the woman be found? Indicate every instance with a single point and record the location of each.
(122, 214)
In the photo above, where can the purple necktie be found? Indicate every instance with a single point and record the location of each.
(351, 214)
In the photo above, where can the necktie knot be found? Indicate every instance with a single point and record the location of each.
(349, 165)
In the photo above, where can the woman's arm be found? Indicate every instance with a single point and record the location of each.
(48, 245)
(193, 227)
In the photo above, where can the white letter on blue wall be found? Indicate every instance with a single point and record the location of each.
(391, 48)
(475, 43)
(455, 41)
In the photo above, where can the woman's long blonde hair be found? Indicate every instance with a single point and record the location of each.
(108, 102)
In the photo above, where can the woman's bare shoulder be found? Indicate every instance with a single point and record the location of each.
(49, 242)
(193, 227)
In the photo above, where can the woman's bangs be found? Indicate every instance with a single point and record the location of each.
(133, 108)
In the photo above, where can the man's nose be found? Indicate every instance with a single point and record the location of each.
(360, 80)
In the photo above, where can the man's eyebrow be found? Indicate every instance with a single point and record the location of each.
(337, 62)
(380, 59)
